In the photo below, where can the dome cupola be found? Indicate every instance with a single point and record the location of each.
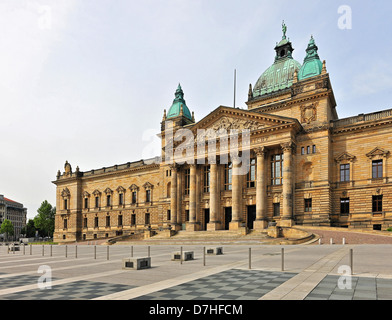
(280, 75)
(312, 65)
(179, 106)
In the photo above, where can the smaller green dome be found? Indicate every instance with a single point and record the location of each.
(312, 65)
(178, 102)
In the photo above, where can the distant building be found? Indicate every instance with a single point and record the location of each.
(15, 212)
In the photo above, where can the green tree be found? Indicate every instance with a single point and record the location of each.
(7, 228)
(44, 220)
(29, 229)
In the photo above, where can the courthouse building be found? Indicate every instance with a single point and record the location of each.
(306, 166)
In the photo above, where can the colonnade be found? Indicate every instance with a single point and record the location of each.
(195, 178)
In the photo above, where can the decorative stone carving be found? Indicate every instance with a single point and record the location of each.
(345, 156)
(66, 193)
(309, 113)
(287, 146)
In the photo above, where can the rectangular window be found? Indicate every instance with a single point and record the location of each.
(96, 202)
(168, 216)
(377, 169)
(86, 203)
(133, 197)
(108, 200)
(344, 206)
(377, 203)
(65, 204)
(96, 222)
(308, 205)
(120, 220)
(187, 215)
(187, 181)
(308, 149)
(85, 223)
(344, 172)
(314, 149)
(277, 169)
(251, 176)
(276, 209)
(120, 199)
(206, 179)
(228, 176)
(133, 219)
(148, 195)
(108, 221)
(65, 223)
(303, 150)
(147, 218)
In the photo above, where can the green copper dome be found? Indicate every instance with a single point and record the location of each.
(175, 109)
(312, 64)
(280, 75)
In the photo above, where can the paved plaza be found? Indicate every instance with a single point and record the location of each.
(94, 272)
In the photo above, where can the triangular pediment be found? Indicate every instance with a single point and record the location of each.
(226, 119)
(345, 156)
(377, 152)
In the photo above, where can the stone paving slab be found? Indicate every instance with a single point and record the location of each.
(79, 290)
(234, 284)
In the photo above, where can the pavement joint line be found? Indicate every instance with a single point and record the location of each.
(298, 287)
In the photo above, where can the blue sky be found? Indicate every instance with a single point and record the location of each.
(87, 81)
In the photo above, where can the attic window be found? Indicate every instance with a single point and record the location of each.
(282, 53)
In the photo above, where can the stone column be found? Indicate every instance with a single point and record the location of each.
(179, 195)
(236, 203)
(261, 190)
(173, 198)
(191, 225)
(287, 217)
(214, 201)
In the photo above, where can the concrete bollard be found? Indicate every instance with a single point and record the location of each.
(331, 241)
(282, 266)
(344, 241)
(204, 256)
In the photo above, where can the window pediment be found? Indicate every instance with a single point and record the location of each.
(345, 156)
(377, 153)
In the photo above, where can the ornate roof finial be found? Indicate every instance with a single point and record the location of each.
(284, 30)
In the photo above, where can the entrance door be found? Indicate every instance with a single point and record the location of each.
(227, 217)
(206, 218)
(251, 217)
